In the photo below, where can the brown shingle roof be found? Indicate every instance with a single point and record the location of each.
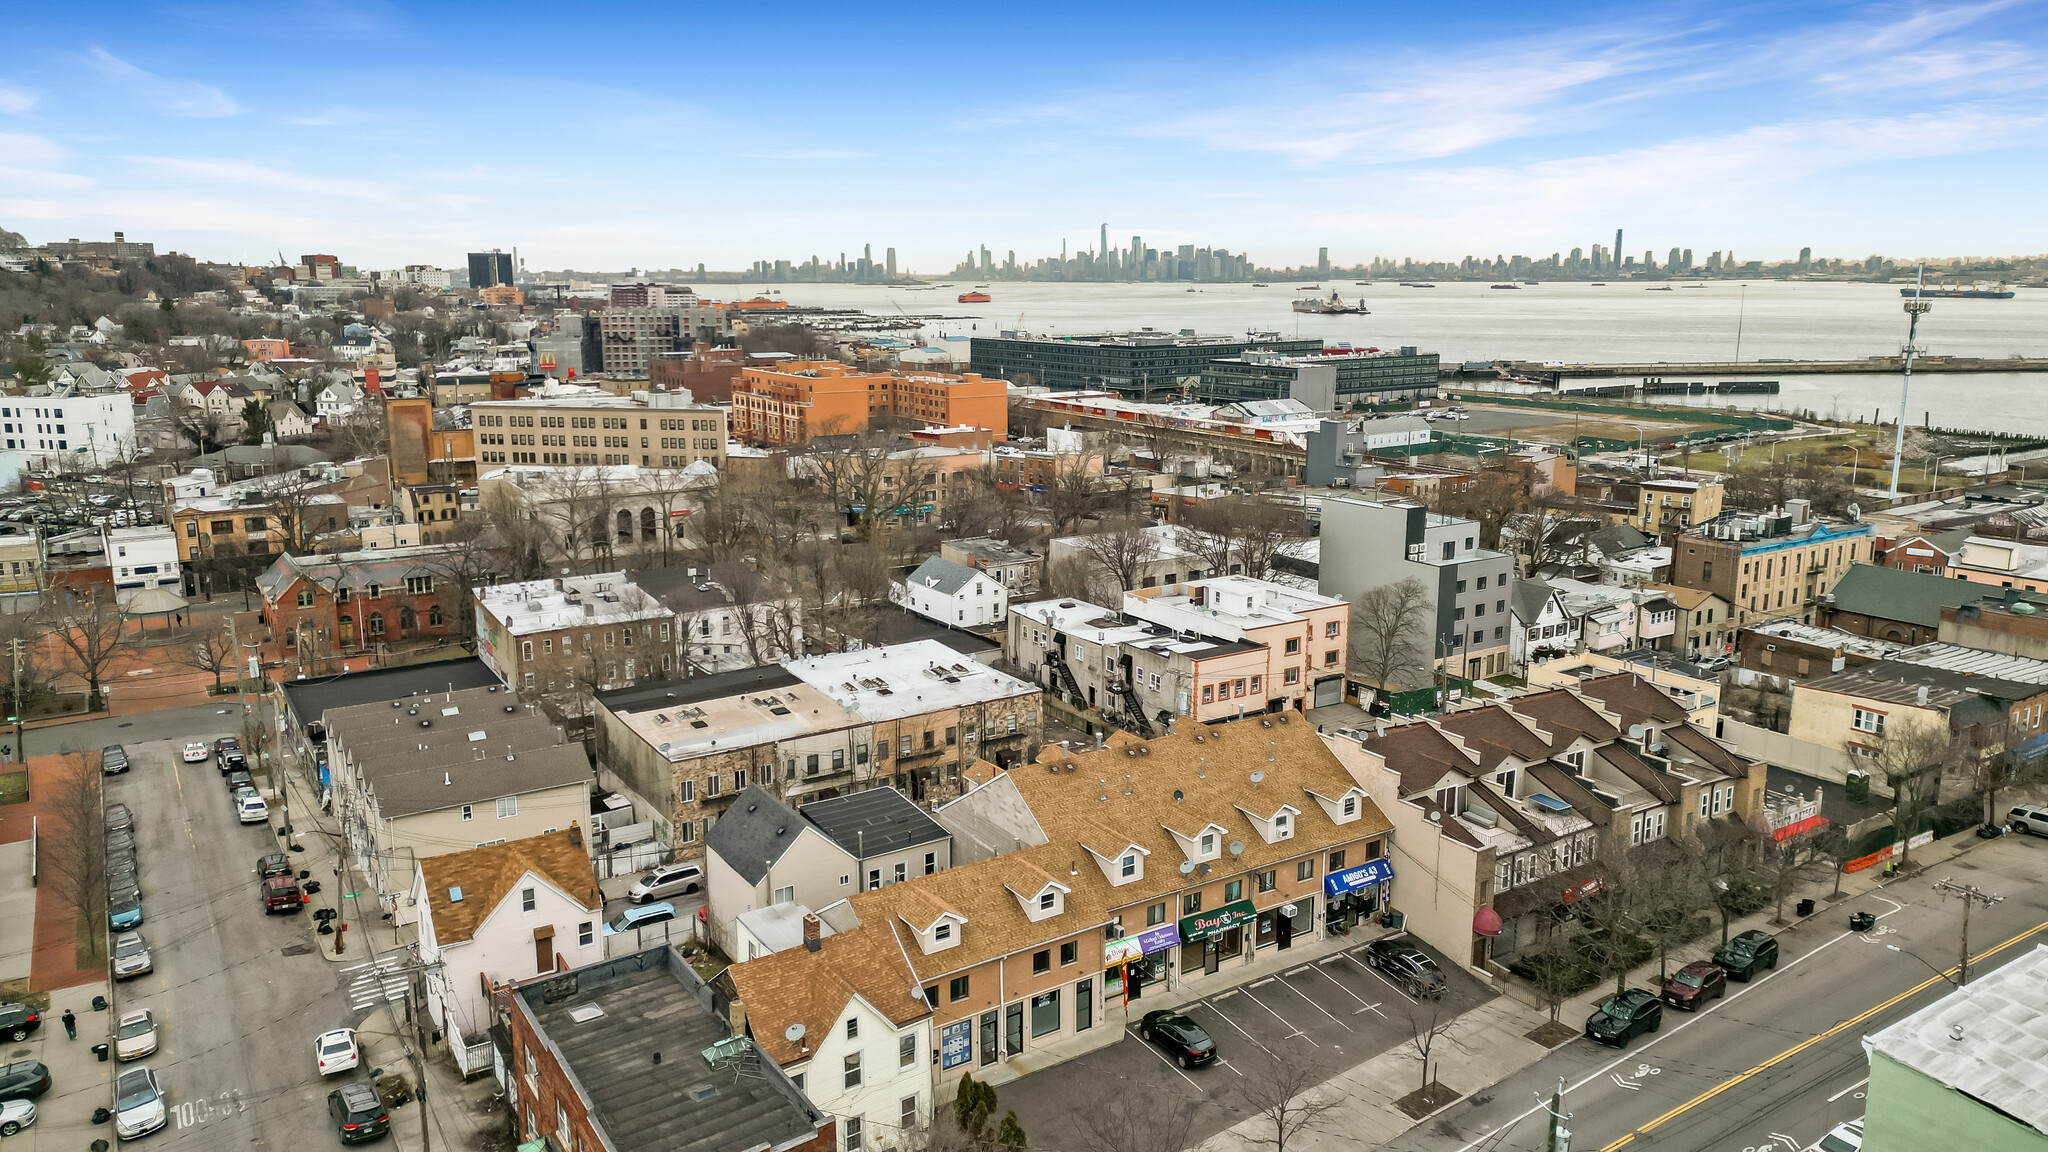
(798, 986)
(1495, 735)
(1565, 716)
(1635, 700)
(487, 875)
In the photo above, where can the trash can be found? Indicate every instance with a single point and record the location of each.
(1862, 921)
(1805, 908)
(100, 1050)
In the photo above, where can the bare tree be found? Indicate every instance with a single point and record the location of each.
(206, 428)
(96, 637)
(1282, 1096)
(1675, 897)
(1500, 490)
(1111, 1120)
(1911, 761)
(212, 652)
(1121, 550)
(1074, 492)
(75, 839)
(1242, 534)
(1423, 1032)
(1389, 627)
(363, 431)
(522, 540)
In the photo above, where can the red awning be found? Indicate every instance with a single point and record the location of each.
(1799, 826)
(1486, 922)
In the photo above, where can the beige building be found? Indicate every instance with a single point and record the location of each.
(562, 640)
(21, 564)
(650, 429)
(1671, 504)
(1861, 709)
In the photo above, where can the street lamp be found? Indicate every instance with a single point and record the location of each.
(1948, 976)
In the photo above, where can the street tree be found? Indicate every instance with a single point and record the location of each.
(95, 637)
(1074, 492)
(213, 652)
(1284, 1103)
(1674, 898)
(1389, 625)
(1424, 1029)
(256, 421)
(1912, 761)
(1242, 534)
(74, 839)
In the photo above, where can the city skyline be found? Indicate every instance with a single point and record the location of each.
(1854, 130)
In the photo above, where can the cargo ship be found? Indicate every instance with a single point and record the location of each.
(1507, 287)
(1975, 291)
(974, 298)
(1334, 306)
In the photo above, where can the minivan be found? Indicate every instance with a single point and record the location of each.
(2029, 818)
(640, 916)
(667, 880)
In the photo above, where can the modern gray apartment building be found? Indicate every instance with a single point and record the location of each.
(488, 269)
(1326, 381)
(1367, 544)
(1141, 365)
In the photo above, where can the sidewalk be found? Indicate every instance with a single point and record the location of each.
(79, 1082)
(54, 962)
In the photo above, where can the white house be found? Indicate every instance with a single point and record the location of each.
(498, 914)
(953, 594)
(287, 420)
(843, 1017)
(336, 402)
(142, 558)
(1541, 627)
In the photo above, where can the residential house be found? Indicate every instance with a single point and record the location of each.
(1016, 569)
(1703, 630)
(952, 594)
(288, 421)
(1893, 604)
(425, 775)
(720, 629)
(563, 640)
(1931, 552)
(1668, 505)
(497, 915)
(1464, 631)
(585, 1068)
(337, 403)
(1779, 564)
(1543, 627)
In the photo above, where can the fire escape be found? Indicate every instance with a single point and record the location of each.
(1062, 674)
(1125, 691)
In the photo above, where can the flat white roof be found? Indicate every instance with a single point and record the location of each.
(907, 679)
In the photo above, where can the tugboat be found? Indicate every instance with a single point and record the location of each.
(1334, 306)
(974, 298)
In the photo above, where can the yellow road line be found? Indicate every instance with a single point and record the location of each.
(1803, 1045)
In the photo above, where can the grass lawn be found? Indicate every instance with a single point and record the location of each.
(17, 992)
(13, 787)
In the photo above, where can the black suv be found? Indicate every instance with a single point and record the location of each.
(1185, 1039)
(1624, 1016)
(113, 759)
(18, 1020)
(1749, 953)
(359, 1116)
(24, 1081)
(1406, 965)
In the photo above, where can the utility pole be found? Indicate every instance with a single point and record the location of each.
(21, 747)
(1560, 1137)
(1916, 307)
(1969, 894)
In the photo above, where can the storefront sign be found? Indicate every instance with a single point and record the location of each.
(956, 1044)
(1364, 876)
(1157, 939)
(1201, 926)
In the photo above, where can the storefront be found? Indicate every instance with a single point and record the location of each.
(1132, 962)
(1280, 927)
(1351, 895)
(1208, 939)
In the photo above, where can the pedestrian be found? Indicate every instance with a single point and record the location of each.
(70, 1025)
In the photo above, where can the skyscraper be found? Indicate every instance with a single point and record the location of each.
(890, 256)
(489, 269)
(1323, 261)
(1617, 249)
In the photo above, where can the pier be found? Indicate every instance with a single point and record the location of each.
(1550, 373)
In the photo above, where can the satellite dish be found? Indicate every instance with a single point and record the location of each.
(795, 1032)
(1257, 777)
(1187, 866)
(1237, 847)
(1855, 512)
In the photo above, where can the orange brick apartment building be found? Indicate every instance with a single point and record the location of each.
(792, 402)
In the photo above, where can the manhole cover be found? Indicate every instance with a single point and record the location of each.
(297, 949)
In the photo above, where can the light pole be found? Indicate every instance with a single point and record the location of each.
(1934, 480)
(1916, 307)
(1948, 976)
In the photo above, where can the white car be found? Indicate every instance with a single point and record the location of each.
(16, 1115)
(336, 1050)
(136, 1036)
(1844, 1137)
(138, 1103)
(196, 752)
(250, 809)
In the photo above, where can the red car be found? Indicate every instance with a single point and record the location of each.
(1695, 984)
(281, 894)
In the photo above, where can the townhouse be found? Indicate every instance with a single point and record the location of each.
(559, 638)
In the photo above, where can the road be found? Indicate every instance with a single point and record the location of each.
(215, 718)
(238, 996)
(1779, 1061)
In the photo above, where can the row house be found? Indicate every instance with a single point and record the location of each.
(565, 639)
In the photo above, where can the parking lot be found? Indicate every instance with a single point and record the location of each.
(238, 996)
(1323, 1015)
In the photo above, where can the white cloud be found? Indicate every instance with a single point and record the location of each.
(36, 162)
(240, 173)
(16, 101)
(178, 97)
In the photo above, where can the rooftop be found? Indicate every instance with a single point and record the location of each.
(754, 832)
(464, 887)
(1828, 638)
(631, 1032)
(941, 575)
(906, 680)
(1987, 1040)
(432, 753)
(1226, 606)
(780, 926)
(1897, 682)
(311, 699)
(873, 823)
(1896, 594)
(1102, 626)
(534, 606)
(795, 986)
(989, 550)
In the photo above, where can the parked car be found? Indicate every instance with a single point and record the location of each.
(124, 875)
(250, 808)
(232, 760)
(640, 916)
(1747, 954)
(1844, 1137)
(196, 753)
(1624, 1016)
(122, 841)
(280, 894)
(131, 955)
(125, 915)
(1182, 1038)
(113, 759)
(336, 1051)
(667, 880)
(24, 1080)
(238, 780)
(135, 1036)
(274, 864)
(225, 744)
(119, 818)
(2029, 818)
(138, 1103)
(1406, 965)
(18, 1020)
(1693, 985)
(359, 1116)
(16, 1115)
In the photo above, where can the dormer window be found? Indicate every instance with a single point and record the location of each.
(942, 932)
(1351, 806)
(1208, 843)
(1283, 826)
(1506, 782)
(1127, 868)
(1047, 899)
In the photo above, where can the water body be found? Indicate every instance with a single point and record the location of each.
(1559, 320)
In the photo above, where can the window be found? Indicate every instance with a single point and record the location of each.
(1128, 866)
(874, 879)
(1045, 1013)
(957, 990)
(906, 1055)
(931, 863)
(906, 1117)
(1046, 900)
(1268, 879)
(1294, 646)
(468, 813)
(739, 780)
(1208, 844)
(1041, 961)
(1233, 891)
(902, 872)
(1864, 720)
(1351, 806)
(1337, 860)
(852, 1078)
(853, 1028)
(1304, 869)
(526, 899)
(1190, 903)
(584, 932)
(852, 1127)
(306, 598)
(686, 792)
(419, 584)
(711, 784)
(373, 591)
(1331, 629)
(942, 932)
(508, 806)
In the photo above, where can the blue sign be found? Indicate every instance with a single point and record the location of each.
(1364, 876)
(956, 1045)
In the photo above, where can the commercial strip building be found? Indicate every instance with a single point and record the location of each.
(1328, 380)
(1775, 565)
(911, 716)
(1143, 364)
(648, 429)
(792, 402)
(1464, 628)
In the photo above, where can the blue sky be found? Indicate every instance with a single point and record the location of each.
(611, 135)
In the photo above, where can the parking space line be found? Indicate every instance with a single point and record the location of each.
(1376, 972)
(1314, 1005)
(1849, 1089)
(1220, 1015)
(1228, 1064)
(1280, 1018)
(1369, 1005)
(1169, 1063)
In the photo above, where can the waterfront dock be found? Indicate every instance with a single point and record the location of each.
(1550, 373)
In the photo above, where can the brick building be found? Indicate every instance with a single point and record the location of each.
(791, 403)
(648, 429)
(554, 637)
(1780, 564)
(325, 611)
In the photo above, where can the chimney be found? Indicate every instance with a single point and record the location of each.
(736, 1015)
(812, 939)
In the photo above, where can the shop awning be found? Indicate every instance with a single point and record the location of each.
(1486, 922)
(1235, 914)
(1157, 939)
(1364, 876)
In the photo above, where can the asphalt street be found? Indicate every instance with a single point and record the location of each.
(1779, 1061)
(238, 995)
(215, 718)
